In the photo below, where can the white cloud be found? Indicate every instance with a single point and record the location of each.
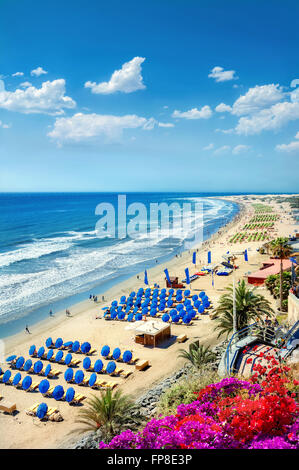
(240, 149)
(5, 126)
(49, 99)
(257, 98)
(25, 84)
(209, 147)
(165, 124)
(222, 150)
(38, 71)
(268, 119)
(84, 127)
(17, 74)
(204, 113)
(291, 147)
(221, 75)
(126, 80)
(223, 108)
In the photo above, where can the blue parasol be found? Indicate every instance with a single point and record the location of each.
(85, 347)
(201, 309)
(130, 317)
(98, 366)
(49, 342)
(69, 395)
(68, 344)
(47, 370)
(6, 376)
(68, 375)
(58, 343)
(186, 319)
(50, 354)
(138, 317)
(16, 379)
(27, 365)
(116, 353)
(68, 359)
(86, 363)
(41, 352)
(127, 356)
(76, 346)
(38, 366)
(32, 350)
(58, 356)
(165, 317)
(11, 358)
(123, 299)
(42, 410)
(58, 392)
(121, 315)
(20, 362)
(92, 379)
(27, 382)
(111, 366)
(105, 351)
(175, 318)
(44, 386)
(79, 376)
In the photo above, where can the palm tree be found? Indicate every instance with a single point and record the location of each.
(198, 355)
(280, 249)
(111, 412)
(249, 307)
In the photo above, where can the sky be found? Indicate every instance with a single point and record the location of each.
(152, 95)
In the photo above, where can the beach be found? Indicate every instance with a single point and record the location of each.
(84, 324)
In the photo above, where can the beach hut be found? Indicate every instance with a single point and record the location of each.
(152, 333)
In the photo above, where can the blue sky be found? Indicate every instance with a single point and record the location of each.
(149, 96)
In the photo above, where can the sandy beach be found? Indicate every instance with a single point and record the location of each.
(23, 431)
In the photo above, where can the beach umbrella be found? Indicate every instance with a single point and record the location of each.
(165, 317)
(171, 291)
(20, 362)
(153, 313)
(38, 366)
(161, 307)
(85, 347)
(197, 303)
(187, 292)
(194, 257)
(175, 318)
(6, 376)
(114, 303)
(186, 319)
(179, 298)
(92, 379)
(246, 255)
(119, 309)
(130, 317)
(58, 356)
(194, 298)
(47, 370)
(41, 352)
(167, 276)
(27, 365)
(32, 350)
(187, 276)
(49, 342)
(105, 351)
(42, 410)
(58, 392)
(69, 395)
(201, 309)
(98, 366)
(135, 310)
(68, 359)
(180, 307)
(169, 303)
(201, 294)
(121, 315)
(116, 354)
(76, 346)
(27, 382)
(209, 257)
(111, 366)
(187, 302)
(86, 363)
(68, 344)
(11, 358)
(138, 317)
(68, 375)
(44, 386)
(50, 354)
(127, 356)
(58, 343)
(79, 376)
(114, 315)
(173, 312)
(133, 294)
(16, 379)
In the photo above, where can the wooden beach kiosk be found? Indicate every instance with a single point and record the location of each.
(152, 333)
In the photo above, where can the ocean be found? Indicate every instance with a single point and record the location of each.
(52, 257)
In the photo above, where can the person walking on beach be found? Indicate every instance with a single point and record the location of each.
(67, 312)
(51, 313)
(27, 329)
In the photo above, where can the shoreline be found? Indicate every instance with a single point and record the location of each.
(117, 289)
(163, 360)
